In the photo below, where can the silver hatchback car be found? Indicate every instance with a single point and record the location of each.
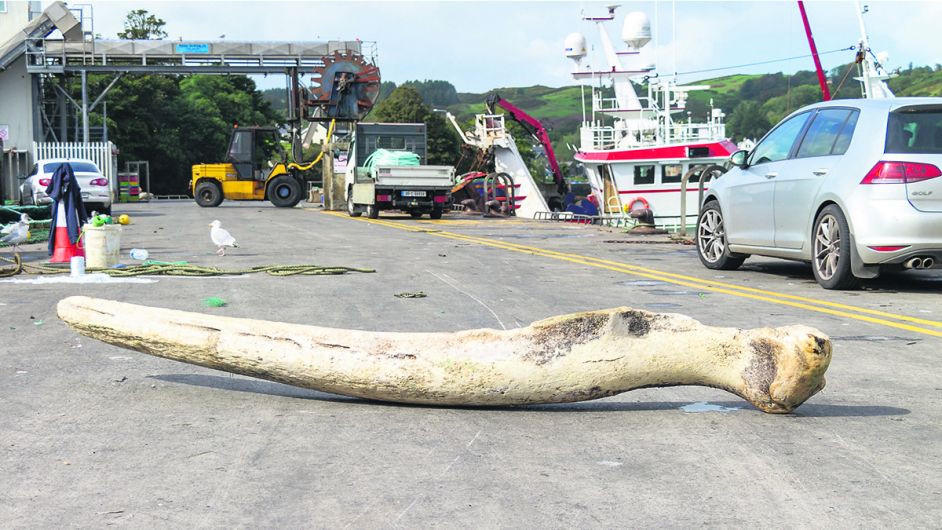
(850, 186)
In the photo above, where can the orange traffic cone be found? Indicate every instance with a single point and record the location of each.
(64, 250)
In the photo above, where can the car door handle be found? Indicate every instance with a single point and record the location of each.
(820, 172)
(771, 175)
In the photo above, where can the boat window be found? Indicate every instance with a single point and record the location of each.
(825, 130)
(915, 130)
(671, 173)
(644, 174)
(777, 145)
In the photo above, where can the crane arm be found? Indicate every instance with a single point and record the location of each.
(535, 129)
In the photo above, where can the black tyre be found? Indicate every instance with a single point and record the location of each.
(208, 194)
(352, 208)
(415, 215)
(437, 213)
(830, 245)
(284, 191)
(712, 245)
(372, 211)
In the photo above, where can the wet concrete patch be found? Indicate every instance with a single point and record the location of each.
(659, 306)
(703, 406)
(641, 283)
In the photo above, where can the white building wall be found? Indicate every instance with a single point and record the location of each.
(16, 107)
(14, 14)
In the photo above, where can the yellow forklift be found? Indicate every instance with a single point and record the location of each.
(344, 88)
(256, 169)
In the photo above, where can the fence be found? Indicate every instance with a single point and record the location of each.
(103, 154)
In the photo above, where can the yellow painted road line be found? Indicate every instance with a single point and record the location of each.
(707, 282)
(852, 312)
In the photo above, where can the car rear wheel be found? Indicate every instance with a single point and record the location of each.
(831, 246)
(711, 240)
(208, 194)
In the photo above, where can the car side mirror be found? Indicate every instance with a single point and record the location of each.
(738, 158)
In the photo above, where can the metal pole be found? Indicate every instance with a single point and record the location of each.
(85, 106)
(104, 121)
(63, 117)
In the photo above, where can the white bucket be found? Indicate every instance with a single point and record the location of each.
(102, 246)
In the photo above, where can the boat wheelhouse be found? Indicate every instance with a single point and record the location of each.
(636, 150)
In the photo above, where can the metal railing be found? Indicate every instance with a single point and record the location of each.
(712, 172)
(598, 220)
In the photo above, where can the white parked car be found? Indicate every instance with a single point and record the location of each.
(96, 192)
(851, 186)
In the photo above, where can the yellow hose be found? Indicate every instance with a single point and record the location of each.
(330, 133)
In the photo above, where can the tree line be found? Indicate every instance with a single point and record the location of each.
(175, 121)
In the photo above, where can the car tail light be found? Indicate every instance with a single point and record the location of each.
(44, 182)
(900, 173)
(889, 248)
(440, 198)
(99, 182)
(383, 198)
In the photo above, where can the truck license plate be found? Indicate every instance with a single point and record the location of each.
(413, 194)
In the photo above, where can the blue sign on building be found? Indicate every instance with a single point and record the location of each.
(192, 48)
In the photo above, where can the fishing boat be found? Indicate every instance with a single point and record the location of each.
(636, 149)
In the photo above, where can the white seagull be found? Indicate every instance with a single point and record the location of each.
(10, 227)
(221, 238)
(18, 234)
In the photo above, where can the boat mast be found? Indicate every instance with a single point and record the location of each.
(872, 77)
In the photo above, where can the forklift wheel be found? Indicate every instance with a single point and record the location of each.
(208, 194)
(284, 191)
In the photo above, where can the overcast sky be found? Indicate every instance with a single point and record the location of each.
(483, 45)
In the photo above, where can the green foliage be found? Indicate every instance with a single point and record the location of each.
(405, 105)
(780, 106)
(175, 122)
(277, 99)
(747, 121)
(140, 24)
(385, 89)
(435, 94)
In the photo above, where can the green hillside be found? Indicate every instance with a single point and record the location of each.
(752, 102)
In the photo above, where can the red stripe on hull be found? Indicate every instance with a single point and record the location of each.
(642, 192)
(716, 149)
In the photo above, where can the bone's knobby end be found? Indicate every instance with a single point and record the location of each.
(786, 367)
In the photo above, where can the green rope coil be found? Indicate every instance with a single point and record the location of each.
(176, 269)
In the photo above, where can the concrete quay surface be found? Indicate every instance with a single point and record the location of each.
(92, 435)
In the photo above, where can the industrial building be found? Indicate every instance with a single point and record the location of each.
(38, 47)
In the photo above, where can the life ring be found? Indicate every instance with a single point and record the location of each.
(630, 207)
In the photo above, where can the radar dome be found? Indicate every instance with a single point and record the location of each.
(575, 46)
(636, 31)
